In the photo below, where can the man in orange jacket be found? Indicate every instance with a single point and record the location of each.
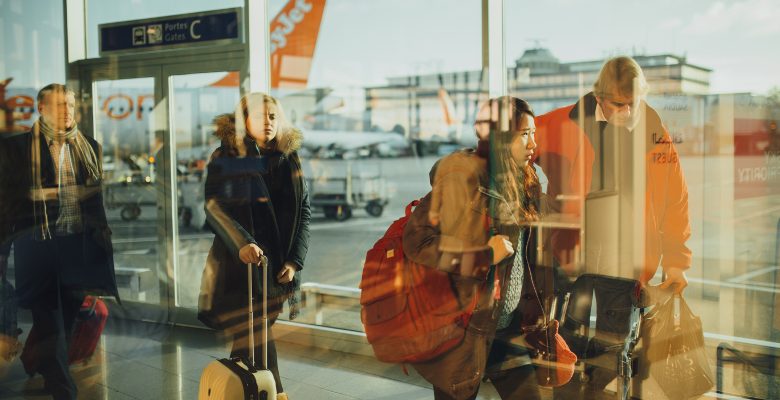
(592, 152)
(617, 107)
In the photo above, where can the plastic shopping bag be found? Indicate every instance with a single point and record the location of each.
(675, 350)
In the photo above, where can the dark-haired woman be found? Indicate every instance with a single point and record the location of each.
(471, 226)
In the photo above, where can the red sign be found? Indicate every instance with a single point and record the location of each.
(756, 158)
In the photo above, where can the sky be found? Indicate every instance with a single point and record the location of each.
(362, 42)
(737, 39)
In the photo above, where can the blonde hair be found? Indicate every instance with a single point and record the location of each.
(54, 88)
(285, 131)
(623, 76)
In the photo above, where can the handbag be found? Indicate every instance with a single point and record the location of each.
(552, 356)
(675, 350)
(554, 359)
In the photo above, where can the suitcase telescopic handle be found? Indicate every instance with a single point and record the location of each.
(264, 319)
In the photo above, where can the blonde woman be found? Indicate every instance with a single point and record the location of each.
(257, 204)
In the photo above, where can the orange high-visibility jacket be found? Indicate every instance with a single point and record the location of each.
(569, 169)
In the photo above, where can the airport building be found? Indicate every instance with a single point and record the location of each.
(382, 91)
(537, 76)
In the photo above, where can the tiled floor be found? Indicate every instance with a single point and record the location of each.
(149, 361)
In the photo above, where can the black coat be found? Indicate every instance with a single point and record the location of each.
(243, 208)
(17, 217)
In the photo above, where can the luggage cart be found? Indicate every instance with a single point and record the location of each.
(338, 196)
(618, 326)
(136, 191)
(130, 195)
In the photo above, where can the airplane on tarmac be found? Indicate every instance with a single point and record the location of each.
(355, 144)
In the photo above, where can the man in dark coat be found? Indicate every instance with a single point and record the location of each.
(52, 212)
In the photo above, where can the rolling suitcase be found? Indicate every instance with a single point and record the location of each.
(234, 378)
(87, 328)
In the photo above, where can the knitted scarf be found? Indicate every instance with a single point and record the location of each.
(83, 155)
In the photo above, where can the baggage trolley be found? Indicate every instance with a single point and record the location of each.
(620, 306)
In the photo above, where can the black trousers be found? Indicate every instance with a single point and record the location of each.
(514, 384)
(598, 379)
(241, 344)
(53, 306)
(53, 320)
(614, 318)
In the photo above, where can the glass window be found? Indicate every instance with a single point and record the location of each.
(378, 109)
(32, 51)
(32, 46)
(132, 186)
(196, 100)
(637, 188)
(713, 88)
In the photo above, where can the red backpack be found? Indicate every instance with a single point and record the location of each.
(409, 311)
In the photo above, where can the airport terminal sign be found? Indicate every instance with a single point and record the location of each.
(214, 28)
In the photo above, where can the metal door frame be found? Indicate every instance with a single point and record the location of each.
(162, 66)
(183, 315)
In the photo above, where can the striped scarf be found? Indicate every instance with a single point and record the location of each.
(84, 156)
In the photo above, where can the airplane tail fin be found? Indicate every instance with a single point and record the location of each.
(230, 79)
(293, 37)
(451, 118)
(294, 33)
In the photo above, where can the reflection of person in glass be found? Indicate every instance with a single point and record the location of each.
(469, 222)
(617, 107)
(615, 124)
(257, 204)
(53, 213)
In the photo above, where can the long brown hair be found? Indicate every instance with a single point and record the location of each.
(517, 183)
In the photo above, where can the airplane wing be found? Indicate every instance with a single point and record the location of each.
(347, 140)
